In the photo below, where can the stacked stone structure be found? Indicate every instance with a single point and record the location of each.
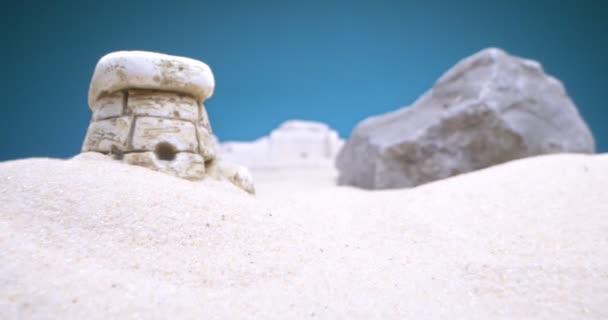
(148, 111)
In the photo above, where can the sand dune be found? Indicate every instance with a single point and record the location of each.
(95, 239)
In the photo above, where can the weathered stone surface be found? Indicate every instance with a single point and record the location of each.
(204, 118)
(150, 131)
(122, 70)
(148, 111)
(162, 104)
(488, 109)
(205, 135)
(295, 143)
(185, 165)
(207, 148)
(110, 106)
(239, 176)
(107, 135)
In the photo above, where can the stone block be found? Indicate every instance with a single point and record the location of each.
(124, 70)
(107, 135)
(162, 104)
(110, 106)
(150, 132)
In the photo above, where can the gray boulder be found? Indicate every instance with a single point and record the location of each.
(488, 109)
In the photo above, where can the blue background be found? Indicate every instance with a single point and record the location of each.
(336, 62)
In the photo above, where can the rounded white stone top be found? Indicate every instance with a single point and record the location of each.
(149, 70)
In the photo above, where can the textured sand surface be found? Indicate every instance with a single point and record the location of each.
(94, 239)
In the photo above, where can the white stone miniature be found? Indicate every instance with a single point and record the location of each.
(148, 111)
(294, 144)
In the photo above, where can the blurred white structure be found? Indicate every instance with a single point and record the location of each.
(295, 143)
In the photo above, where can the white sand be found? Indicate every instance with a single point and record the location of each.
(86, 239)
